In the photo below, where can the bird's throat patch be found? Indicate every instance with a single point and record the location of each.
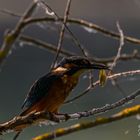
(60, 69)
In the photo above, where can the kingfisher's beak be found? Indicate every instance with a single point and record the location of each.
(96, 66)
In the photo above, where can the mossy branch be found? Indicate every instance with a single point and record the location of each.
(128, 112)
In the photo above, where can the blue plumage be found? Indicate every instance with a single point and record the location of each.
(39, 89)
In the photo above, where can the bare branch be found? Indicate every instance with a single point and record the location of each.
(120, 46)
(124, 57)
(51, 48)
(75, 39)
(128, 112)
(85, 23)
(61, 36)
(8, 12)
(44, 45)
(114, 81)
(91, 87)
(12, 36)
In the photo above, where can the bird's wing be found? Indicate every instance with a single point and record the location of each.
(39, 89)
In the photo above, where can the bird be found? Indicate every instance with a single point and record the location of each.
(49, 92)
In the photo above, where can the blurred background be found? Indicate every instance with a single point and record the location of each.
(26, 63)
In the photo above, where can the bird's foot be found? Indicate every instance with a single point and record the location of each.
(67, 116)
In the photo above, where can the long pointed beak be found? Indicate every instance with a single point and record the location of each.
(96, 66)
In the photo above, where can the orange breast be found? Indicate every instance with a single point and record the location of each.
(56, 96)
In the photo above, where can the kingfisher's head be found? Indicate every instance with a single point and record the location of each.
(76, 65)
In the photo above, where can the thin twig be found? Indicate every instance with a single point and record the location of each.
(61, 36)
(75, 39)
(91, 87)
(88, 24)
(124, 57)
(13, 35)
(44, 45)
(128, 112)
(8, 12)
(4, 53)
(114, 81)
(120, 46)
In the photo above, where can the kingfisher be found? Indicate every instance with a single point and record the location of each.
(49, 92)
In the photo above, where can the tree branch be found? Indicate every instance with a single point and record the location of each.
(51, 48)
(44, 45)
(114, 81)
(80, 22)
(120, 47)
(61, 36)
(13, 35)
(87, 24)
(128, 112)
(8, 12)
(75, 39)
(91, 87)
